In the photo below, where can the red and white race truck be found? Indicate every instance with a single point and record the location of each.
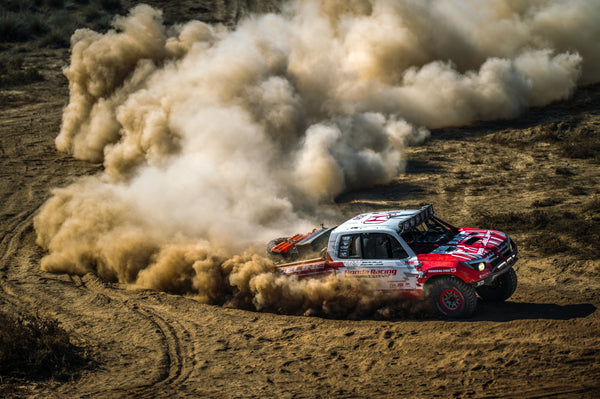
(413, 252)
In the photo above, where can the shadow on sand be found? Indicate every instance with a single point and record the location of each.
(510, 311)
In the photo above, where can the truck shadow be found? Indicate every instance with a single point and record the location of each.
(509, 311)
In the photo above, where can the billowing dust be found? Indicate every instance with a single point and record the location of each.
(216, 140)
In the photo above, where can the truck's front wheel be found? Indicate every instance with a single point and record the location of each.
(452, 297)
(501, 289)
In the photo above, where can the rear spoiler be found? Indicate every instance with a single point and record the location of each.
(300, 240)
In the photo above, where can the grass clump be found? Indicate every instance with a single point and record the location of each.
(50, 23)
(111, 5)
(35, 347)
(551, 231)
(21, 26)
(12, 73)
(546, 202)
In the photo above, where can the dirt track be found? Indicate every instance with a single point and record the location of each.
(544, 342)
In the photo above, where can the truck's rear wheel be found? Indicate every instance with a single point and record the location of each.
(501, 289)
(452, 297)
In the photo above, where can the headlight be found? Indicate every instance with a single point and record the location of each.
(479, 266)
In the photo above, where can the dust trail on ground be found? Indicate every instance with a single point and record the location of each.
(215, 139)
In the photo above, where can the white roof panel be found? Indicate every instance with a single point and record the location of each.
(384, 220)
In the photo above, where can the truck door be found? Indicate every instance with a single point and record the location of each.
(381, 257)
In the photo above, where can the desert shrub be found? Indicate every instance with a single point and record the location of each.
(12, 27)
(22, 26)
(13, 73)
(551, 231)
(97, 19)
(35, 347)
(92, 15)
(578, 190)
(57, 38)
(37, 25)
(583, 142)
(546, 202)
(592, 206)
(563, 171)
(55, 3)
(573, 137)
(63, 25)
(545, 245)
(111, 5)
(513, 221)
(16, 5)
(50, 23)
(581, 149)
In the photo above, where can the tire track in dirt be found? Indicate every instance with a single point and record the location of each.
(8, 298)
(14, 228)
(30, 167)
(542, 392)
(14, 231)
(176, 364)
(173, 359)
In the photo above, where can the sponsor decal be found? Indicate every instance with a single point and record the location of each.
(303, 268)
(373, 273)
(446, 270)
(384, 271)
(371, 263)
(377, 219)
(403, 285)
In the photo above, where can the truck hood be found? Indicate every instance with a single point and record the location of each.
(473, 244)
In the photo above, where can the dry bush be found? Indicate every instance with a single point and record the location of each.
(572, 138)
(546, 202)
(34, 347)
(552, 231)
(513, 221)
(50, 23)
(111, 5)
(578, 190)
(21, 27)
(583, 143)
(581, 147)
(12, 72)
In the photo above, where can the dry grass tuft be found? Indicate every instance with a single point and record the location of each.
(552, 231)
(35, 347)
(12, 73)
(50, 23)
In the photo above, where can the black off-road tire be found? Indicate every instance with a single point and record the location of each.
(452, 297)
(501, 289)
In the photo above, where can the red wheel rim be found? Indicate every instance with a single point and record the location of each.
(450, 300)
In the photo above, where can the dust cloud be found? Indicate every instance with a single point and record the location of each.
(215, 139)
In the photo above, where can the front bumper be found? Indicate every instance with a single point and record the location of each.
(499, 270)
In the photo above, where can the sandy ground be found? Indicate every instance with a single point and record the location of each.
(544, 342)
